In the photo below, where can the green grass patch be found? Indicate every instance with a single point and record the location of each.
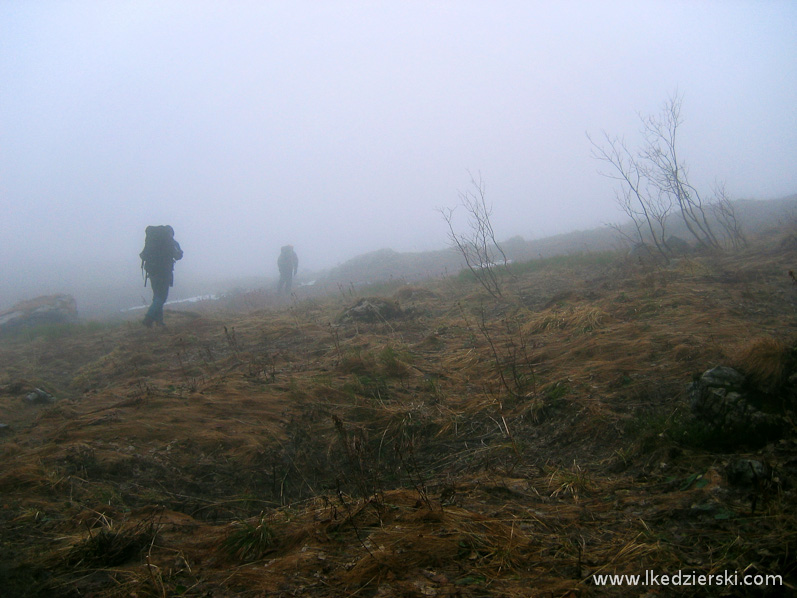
(557, 390)
(600, 259)
(250, 541)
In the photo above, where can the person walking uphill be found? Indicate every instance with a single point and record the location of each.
(288, 264)
(157, 261)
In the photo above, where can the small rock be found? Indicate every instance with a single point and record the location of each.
(372, 309)
(722, 377)
(39, 397)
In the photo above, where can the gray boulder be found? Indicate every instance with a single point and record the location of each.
(39, 397)
(720, 399)
(49, 309)
(723, 377)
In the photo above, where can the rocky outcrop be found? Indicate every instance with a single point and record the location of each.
(39, 397)
(729, 407)
(49, 309)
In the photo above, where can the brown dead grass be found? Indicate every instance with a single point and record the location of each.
(765, 360)
(474, 448)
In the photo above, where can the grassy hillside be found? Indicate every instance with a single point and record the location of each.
(446, 444)
(386, 264)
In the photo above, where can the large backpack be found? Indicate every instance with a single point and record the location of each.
(288, 261)
(157, 258)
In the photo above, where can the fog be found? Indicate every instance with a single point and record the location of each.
(340, 127)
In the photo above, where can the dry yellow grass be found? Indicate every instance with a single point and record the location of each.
(473, 448)
(765, 360)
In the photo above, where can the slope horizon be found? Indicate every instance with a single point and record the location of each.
(104, 290)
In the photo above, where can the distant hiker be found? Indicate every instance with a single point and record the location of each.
(288, 264)
(157, 262)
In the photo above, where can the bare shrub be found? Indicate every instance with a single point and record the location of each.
(654, 187)
(478, 246)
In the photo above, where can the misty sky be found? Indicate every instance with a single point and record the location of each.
(341, 126)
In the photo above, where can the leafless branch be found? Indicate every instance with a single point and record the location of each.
(478, 245)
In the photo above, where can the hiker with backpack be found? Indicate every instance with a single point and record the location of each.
(157, 264)
(288, 264)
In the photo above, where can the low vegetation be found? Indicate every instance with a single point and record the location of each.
(457, 444)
